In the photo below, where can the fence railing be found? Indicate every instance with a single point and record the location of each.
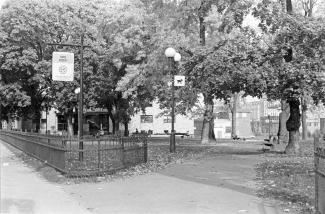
(100, 156)
(319, 161)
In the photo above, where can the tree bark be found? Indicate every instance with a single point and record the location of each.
(283, 117)
(202, 30)
(108, 124)
(293, 125)
(289, 6)
(70, 125)
(208, 135)
(233, 117)
(126, 129)
(37, 121)
(113, 122)
(208, 122)
(116, 125)
(304, 118)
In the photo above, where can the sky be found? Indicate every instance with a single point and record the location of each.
(1, 2)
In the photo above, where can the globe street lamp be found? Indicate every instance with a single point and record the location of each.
(173, 57)
(80, 122)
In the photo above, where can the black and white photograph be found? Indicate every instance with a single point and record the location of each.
(162, 106)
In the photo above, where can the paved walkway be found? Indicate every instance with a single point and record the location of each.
(221, 185)
(25, 191)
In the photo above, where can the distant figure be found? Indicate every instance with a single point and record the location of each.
(136, 131)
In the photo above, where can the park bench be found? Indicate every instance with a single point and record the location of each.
(182, 134)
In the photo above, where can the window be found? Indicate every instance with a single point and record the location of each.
(168, 119)
(228, 129)
(146, 118)
(62, 123)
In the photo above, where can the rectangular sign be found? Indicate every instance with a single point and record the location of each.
(179, 80)
(62, 66)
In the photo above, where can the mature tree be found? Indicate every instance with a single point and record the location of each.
(291, 61)
(22, 51)
(230, 67)
(124, 43)
(185, 29)
(26, 28)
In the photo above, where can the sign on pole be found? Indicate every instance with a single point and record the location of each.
(62, 66)
(179, 80)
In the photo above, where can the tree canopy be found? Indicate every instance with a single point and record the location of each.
(125, 68)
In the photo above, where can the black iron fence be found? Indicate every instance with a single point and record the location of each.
(100, 155)
(319, 151)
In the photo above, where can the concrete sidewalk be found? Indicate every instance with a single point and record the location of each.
(220, 185)
(25, 191)
(156, 193)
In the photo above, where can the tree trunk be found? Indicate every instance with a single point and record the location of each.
(37, 121)
(283, 117)
(70, 125)
(289, 6)
(293, 125)
(108, 125)
(304, 118)
(113, 122)
(202, 30)
(233, 117)
(208, 122)
(126, 129)
(116, 125)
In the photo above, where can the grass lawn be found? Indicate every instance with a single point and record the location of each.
(290, 179)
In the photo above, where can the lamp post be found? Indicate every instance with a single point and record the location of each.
(80, 121)
(80, 103)
(173, 57)
(269, 117)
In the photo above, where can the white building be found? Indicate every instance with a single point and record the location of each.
(152, 120)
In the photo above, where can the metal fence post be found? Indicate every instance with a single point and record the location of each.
(316, 163)
(98, 156)
(145, 147)
(123, 152)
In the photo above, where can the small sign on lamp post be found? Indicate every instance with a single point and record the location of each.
(62, 66)
(179, 80)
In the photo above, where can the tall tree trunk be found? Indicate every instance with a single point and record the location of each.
(202, 30)
(113, 122)
(108, 124)
(208, 122)
(126, 129)
(283, 117)
(293, 125)
(304, 118)
(233, 117)
(116, 125)
(70, 125)
(289, 6)
(37, 121)
(311, 7)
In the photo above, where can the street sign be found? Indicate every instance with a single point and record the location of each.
(179, 80)
(62, 66)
